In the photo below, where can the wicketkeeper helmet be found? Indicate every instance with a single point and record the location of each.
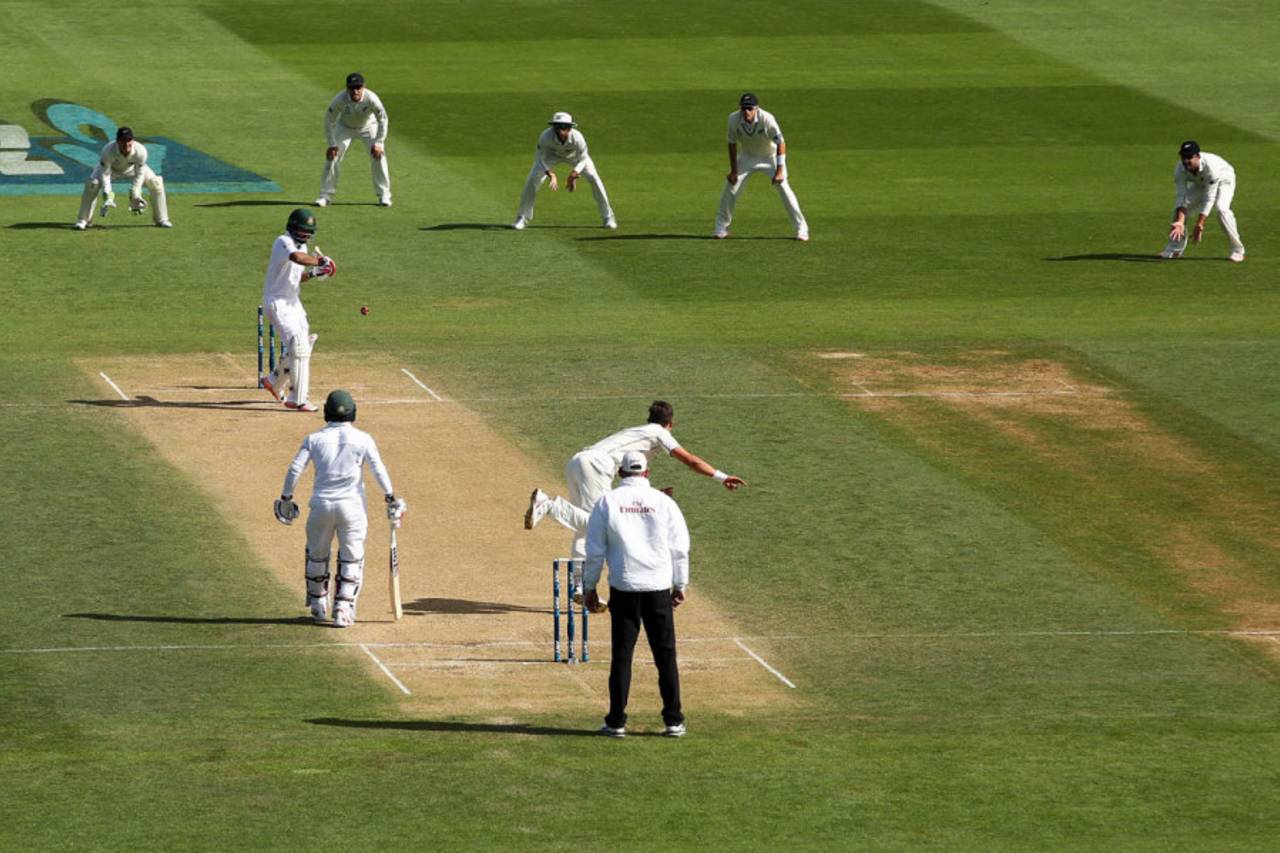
(339, 406)
(302, 224)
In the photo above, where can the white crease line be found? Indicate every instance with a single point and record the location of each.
(452, 663)
(388, 672)
(418, 382)
(762, 662)
(962, 394)
(123, 396)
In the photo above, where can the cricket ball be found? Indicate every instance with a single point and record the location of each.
(364, 309)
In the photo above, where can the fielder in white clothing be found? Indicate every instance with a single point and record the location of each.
(120, 160)
(756, 144)
(590, 473)
(560, 143)
(355, 113)
(1203, 181)
(339, 453)
(291, 265)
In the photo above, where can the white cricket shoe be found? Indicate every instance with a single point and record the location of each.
(520, 223)
(164, 223)
(539, 506)
(803, 236)
(384, 202)
(319, 610)
(344, 616)
(300, 407)
(80, 225)
(1170, 254)
(311, 339)
(678, 730)
(322, 202)
(1236, 257)
(577, 594)
(609, 731)
(611, 223)
(720, 235)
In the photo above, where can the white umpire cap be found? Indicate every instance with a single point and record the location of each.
(562, 118)
(633, 462)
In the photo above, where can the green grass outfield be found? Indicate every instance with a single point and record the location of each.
(1001, 655)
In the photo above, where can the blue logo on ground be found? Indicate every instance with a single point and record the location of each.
(59, 165)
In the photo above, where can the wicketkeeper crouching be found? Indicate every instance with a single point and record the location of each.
(338, 452)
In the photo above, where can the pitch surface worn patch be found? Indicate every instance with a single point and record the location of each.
(476, 634)
(1087, 462)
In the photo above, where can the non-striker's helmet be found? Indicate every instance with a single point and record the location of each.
(339, 406)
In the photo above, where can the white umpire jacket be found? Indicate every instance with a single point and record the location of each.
(642, 534)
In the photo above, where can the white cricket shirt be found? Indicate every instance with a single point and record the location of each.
(367, 112)
(646, 439)
(551, 151)
(339, 453)
(284, 277)
(759, 138)
(1203, 185)
(113, 164)
(643, 536)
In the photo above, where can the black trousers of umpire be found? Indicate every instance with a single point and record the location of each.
(627, 611)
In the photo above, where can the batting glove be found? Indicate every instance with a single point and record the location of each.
(395, 509)
(325, 269)
(286, 510)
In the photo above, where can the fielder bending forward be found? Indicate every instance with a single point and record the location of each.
(339, 453)
(756, 145)
(560, 143)
(291, 265)
(1203, 181)
(590, 474)
(122, 159)
(355, 113)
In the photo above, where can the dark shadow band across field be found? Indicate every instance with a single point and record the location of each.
(462, 728)
(1125, 256)
(145, 402)
(194, 620)
(464, 607)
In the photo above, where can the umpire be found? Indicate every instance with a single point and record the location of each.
(643, 535)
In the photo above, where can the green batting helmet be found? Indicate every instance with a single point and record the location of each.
(339, 406)
(302, 224)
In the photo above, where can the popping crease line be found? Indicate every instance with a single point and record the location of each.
(123, 396)
(419, 383)
(382, 666)
(764, 664)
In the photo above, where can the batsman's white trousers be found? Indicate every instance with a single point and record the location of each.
(153, 182)
(1226, 191)
(747, 166)
(537, 177)
(345, 518)
(290, 321)
(378, 166)
(590, 476)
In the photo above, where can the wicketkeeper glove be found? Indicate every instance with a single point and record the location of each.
(137, 204)
(286, 510)
(108, 202)
(395, 509)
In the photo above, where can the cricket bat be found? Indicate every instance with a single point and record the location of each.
(394, 586)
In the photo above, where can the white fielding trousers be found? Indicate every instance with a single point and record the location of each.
(347, 519)
(153, 182)
(378, 166)
(747, 166)
(590, 476)
(290, 320)
(1222, 205)
(537, 178)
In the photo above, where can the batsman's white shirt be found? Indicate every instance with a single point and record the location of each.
(113, 164)
(1202, 187)
(339, 453)
(551, 151)
(284, 277)
(759, 138)
(643, 536)
(368, 113)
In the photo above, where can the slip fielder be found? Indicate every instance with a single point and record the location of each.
(355, 113)
(756, 144)
(562, 142)
(1203, 181)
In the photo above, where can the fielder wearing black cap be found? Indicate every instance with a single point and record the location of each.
(355, 80)
(1188, 149)
(124, 134)
(748, 100)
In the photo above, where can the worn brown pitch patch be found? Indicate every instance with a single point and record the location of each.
(1223, 540)
(476, 635)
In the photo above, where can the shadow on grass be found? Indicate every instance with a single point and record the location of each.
(1127, 257)
(462, 728)
(257, 202)
(463, 607)
(66, 226)
(678, 237)
(145, 402)
(193, 620)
